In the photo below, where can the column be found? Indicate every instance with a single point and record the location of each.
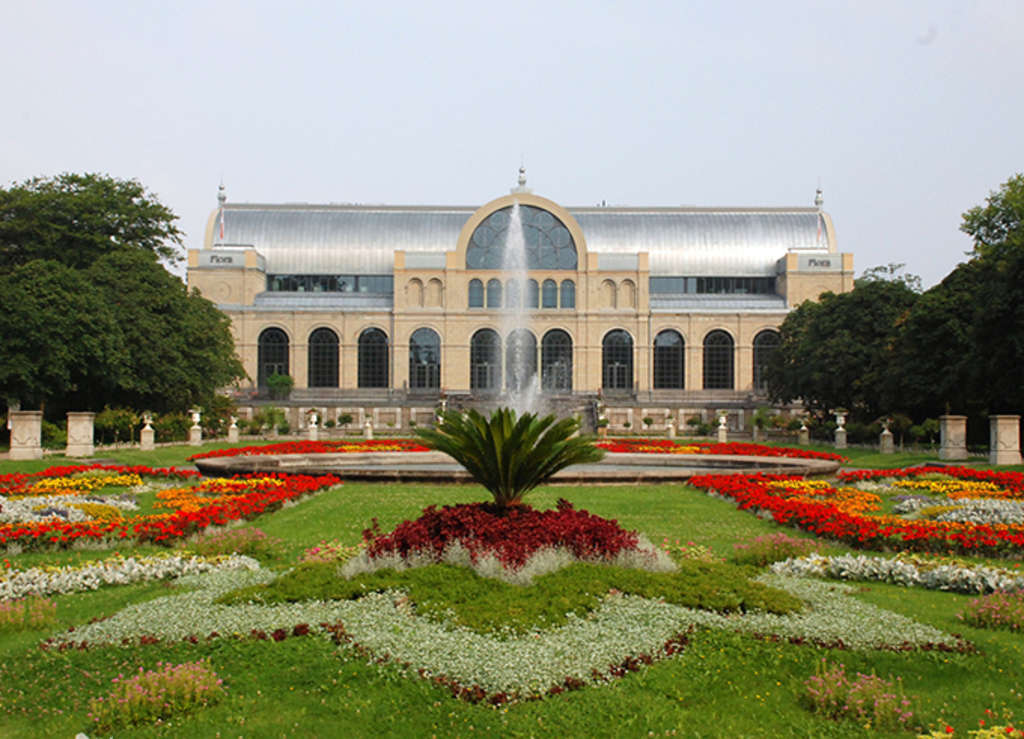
(953, 437)
(1004, 440)
(80, 435)
(26, 434)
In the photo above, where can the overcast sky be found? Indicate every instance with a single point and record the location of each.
(906, 113)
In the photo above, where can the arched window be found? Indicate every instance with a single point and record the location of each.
(617, 360)
(494, 293)
(434, 297)
(513, 293)
(373, 358)
(476, 294)
(532, 294)
(414, 293)
(549, 294)
(608, 294)
(556, 361)
(272, 355)
(485, 361)
(765, 344)
(323, 358)
(669, 363)
(627, 294)
(568, 294)
(718, 361)
(424, 359)
(520, 360)
(548, 243)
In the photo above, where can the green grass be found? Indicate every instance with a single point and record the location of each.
(723, 684)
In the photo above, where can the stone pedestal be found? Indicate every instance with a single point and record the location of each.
(840, 438)
(953, 437)
(313, 432)
(1004, 440)
(195, 433)
(233, 431)
(670, 429)
(368, 429)
(147, 438)
(26, 435)
(723, 431)
(803, 436)
(885, 442)
(80, 435)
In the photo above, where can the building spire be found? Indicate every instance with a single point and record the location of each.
(521, 182)
(222, 196)
(819, 198)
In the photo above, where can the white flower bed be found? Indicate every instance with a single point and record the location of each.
(113, 571)
(979, 579)
(985, 511)
(550, 559)
(523, 665)
(22, 510)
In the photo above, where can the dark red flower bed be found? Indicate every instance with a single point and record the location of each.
(667, 446)
(318, 447)
(511, 534)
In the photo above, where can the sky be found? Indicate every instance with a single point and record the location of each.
(906, 113)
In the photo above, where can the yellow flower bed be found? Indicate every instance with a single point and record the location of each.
(848, 500)
(208, 492)
(955, 489)
(78, 485)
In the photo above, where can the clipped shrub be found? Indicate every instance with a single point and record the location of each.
(869, 700)
(172, 426)
(280, 386)
(764, 550)
(250, 541)
(995, 611)
(267, 418)
(163, 693)
(54, 436)
(113, 425)
(27, 613)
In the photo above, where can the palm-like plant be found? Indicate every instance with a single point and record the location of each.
(508, 455)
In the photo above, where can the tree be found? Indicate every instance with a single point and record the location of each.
(60, 337)
(835, 353)
(77, 218)
(89, 316)
(508, 455)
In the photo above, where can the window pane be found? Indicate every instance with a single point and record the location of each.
(485, 361)
(272, 355)
(765, 344)
(549, 294)
(669, 361)
(373, 358)
(568, 294)
(323, 358)
(424, 359)
(556, 361)
(617, 361)
(494, 293)
(718, 361)
(476, 294)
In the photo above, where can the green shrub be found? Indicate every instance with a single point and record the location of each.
(54, 436)
(115, 424)
(344, 419)
(172, 426)
(268, 417)
(280, 386)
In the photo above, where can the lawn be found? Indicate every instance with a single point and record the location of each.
(721, 684)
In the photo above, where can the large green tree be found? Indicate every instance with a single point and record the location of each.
(835, 353)
(89, 316)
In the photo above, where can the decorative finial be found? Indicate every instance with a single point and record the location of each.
(819, 199)
(522, 175)
(222, 196)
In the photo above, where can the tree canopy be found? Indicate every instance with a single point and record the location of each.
(88, 314)
(77, 218)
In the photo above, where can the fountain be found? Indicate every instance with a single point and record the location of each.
(520, 347)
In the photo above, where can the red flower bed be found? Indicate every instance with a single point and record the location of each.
(265, 493)
(17, 483)
(667, 446)
(864, 531)
(511, 534)
(319, 447)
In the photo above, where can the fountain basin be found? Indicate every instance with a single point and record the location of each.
(615, 468)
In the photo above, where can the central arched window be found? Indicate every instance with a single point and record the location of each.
(520, 360)
(718, 361)
(424, 359)
(766, 343)
(556, 361)
(549, 294)
(272, 355)
(476, 294)
(323, 358)
(617, 361)
(549, 245)
(485, 361)
(373, 358)
(669, 363)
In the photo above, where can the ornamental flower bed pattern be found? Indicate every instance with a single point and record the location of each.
(666, 446)
(318, 447)
(190, 508)
(854, 516)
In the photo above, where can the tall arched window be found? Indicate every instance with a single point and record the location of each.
(476, 294)
(485, 361)
(548, 243)
(617, 360)
(373, 358)
(532, 294)
(323, 358)
(272, 355)
(765, 344)
(520, 359)
(549, 294)
(718, 361)
(568, 296)
(424, 359)
(494, 293)
(556, 361)
(669, 362)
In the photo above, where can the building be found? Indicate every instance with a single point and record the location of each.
(384, 310)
